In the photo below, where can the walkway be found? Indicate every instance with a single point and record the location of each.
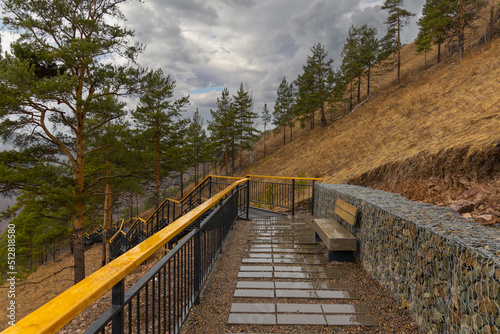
(283, 274)
(272, 277)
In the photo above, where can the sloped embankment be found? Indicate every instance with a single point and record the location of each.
(462, 177)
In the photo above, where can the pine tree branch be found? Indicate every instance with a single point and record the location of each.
(106, 178)
(43, 279)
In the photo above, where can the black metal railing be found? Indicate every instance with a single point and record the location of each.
(160, 301)
(165, 214)
(288, 193)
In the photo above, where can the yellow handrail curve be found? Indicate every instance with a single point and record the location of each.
(120, 230)
(285, 177)
(56, 313)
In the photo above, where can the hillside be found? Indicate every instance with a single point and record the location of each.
(430, 139)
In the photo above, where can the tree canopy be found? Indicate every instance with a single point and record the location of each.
(55, 82)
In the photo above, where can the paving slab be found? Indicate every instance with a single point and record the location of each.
(253, 308)
(256, 268)
(298, 308)
(291, 275)
(301, 319)
(255, 274)
(260, 255)
(251, 319)
(254, 285)
(254, 293)
(257, 260)
(309, 294)
(294, 285)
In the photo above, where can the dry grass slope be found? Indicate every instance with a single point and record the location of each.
(450, 105)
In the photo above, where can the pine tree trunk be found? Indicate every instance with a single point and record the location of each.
(461, 29)
(399, 51)
(350, 100)
(182, 185)
(489, 34)
(284, 135)
(131, 205)
(232, 156)
(264, 140)
(227, 159)
(105, 224)
(368, 82)
(323, 116)
(439, 52)
(291, 130)
(359, 89)
(79, 252)
(241, 146)
(157, 184)
(78, 246)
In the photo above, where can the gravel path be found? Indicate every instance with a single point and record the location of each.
(211, 315)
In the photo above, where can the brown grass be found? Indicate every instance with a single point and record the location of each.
(452, 104)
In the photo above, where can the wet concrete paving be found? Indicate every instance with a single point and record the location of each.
(285, 268)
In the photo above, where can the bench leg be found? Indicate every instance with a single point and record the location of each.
(341, 256)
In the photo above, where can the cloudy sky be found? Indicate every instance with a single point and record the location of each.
(206, 45)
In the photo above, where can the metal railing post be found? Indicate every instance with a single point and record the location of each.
(117, 300)
(312, 202)
(293, 197)
(248, 199)
(209, 187)
(197, 263)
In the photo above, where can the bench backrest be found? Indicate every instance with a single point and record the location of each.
(345, 211)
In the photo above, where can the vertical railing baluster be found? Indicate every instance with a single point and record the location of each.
(247, 204)
(153, 304)
(312, 202)
(146, 306)
(293, 197)
(197, 263)
(117, 299)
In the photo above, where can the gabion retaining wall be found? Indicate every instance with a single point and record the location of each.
(443, 268)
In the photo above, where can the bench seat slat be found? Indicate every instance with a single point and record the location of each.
(334, 235)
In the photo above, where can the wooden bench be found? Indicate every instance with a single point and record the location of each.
(340, 242)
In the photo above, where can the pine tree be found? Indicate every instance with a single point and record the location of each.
(351, 61)
(369, 52)
(313, 85)
(435, 25)
(283, 107)
(465, 12)
(245, 118)
(222, 127)
(398, 18)
(50, 90)
(196, 141)
(158, 118)
(266, 119)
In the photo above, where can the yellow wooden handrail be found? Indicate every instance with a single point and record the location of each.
(56, 313)
(120, 230)
(285, 177)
